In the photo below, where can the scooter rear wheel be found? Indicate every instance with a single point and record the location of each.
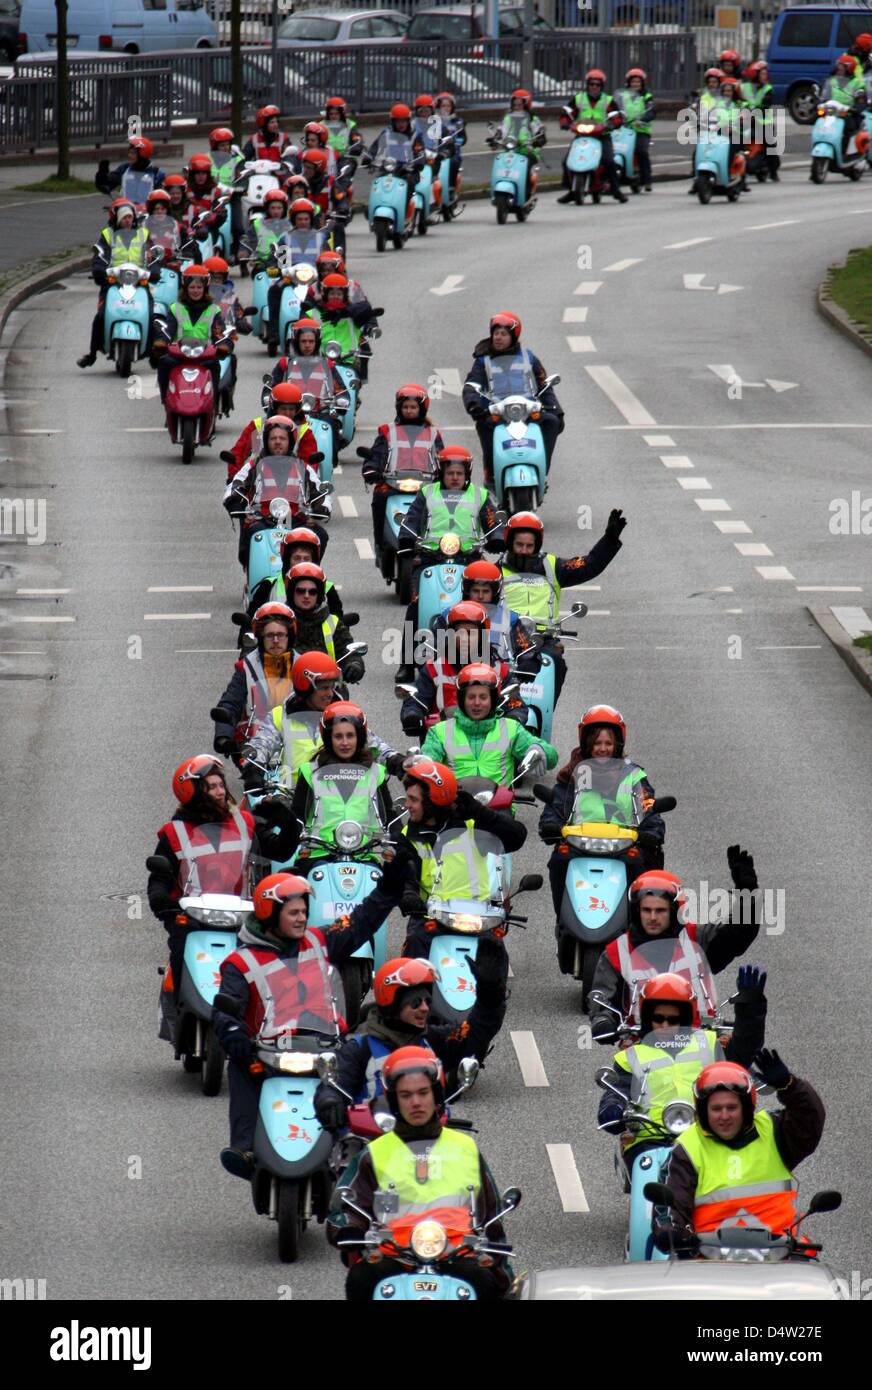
(399, 240)
(501, 202)
(578, 189)
(820, 167)
(520, 499)
(521, 214)
(188, 437)
(123, 357)
(857, 172)
(423, 224)
(213, 1066)
(289, 1221)
(589, 962)
(404, 579)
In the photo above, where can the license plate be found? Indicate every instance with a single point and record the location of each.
(518, 443)
(532, 691)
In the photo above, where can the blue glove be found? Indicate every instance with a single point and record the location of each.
(750, 982)
(771, 1069)
(237, 1043)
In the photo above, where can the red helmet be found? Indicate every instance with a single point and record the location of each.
(316, 128)
(175, 181)
(425, 101)
(412, 392)
(400, 112)
(483, 572)
(671, 989)
(730, 55)
(335, 104)
(509, 321)
(143, 146)
(525, 521)
(195, 272)
(306, 570)
(189, 774)
(293, 183)
(318, 159)
(157, 195)
(346, 712)
(301, 535)
(713, 72)
(287, 393)
(216, 265)
(199, 163)
(662, 884)
(275, 195)
(274, 612)
(455, 453)
(847, 60)
(311, 667)
(521, 94)
(265, 114)
(447, 96)
(405, 1060)
(329, 263)
(595, 75)
(335, 281)
(863, 43)
(477, 674)
(283, 422)
(116, 206)
(724, 1076)
(468, 611)
(636, 72)
(300, 205)
(403, 972)
(274, 890)
(733, 83)
(604, 714)
(220, 136)
(306, 326)
(438, 781)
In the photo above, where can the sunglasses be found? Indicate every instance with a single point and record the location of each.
(665, 1018)
(415, 1001)
(306, 593)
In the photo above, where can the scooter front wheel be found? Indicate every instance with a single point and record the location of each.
(380, 227)
(123, 357)
(355, 983)
(290, 1221)
(422, 222)
(820, 166)
(705, 188)
(589, 962)
(501, 202)
(521, 214)
(399, 240)
(857, 172)
(404, 579)
(188, 436)
(213, 1066)
(578, 189)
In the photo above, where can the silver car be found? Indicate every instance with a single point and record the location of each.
(325, 28)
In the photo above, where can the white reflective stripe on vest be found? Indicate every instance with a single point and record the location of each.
(311, 953)
(455, 748)
(686, 956)
(292, 738)
(459, 842)
(702, 1054)
(500, 615)
(749, 1189)
(192, 852)
(517, 585)
(411, 451)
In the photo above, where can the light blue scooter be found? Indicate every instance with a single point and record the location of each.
(711, 167)
(265, 546)
(510, 181)
(624, 150)
(126, 315)
(391, 212)
(826, 145)
(520, 466)
(584, 158)
(339, 885)
(425, 194)
(538, 692)
(440, 580)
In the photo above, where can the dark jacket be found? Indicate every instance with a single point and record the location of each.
(415, 708)
(262, 593)
(476, 403)
(559, 812)
(379, 455)
(576, 569)
(310, 637)
(798, 1129)
(106, 180)
(234, 700)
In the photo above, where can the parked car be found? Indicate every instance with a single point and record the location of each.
(10, 30)
(132, 26)
(342, 27)
(453, 22)
(805, 44)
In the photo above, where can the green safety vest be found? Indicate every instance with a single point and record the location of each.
(201, 330)
(534, 595)
(728, 114)
(225, 173)
(590, 111)
(620, 809)
(301, 739)
(709, 100)
(466, 867)
(753, 98)
(267, 236)
(451, 1169)
(134, 252)
(845, 92)
(332, 806)
(751, 1185)
(632, 105)
(457, 512)
(341, 136)
(518, 126)
(495, 759)
(344, 332)
(660, 1076)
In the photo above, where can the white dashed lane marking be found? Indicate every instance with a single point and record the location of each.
(529, 1060)
(576, 313)
(364, 548)
(347, 506)
(569, 1187)
(176, 617)
(694, 484)
(179, 589)
(774, 572)
(623, 265)
(733, 528)
(712, 504)
(588, 287)
(752, 548)
(581, 344)
(676, 460)
(620, 395)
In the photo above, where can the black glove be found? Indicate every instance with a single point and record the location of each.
(394, 764)
(377, 313)
(669, 1238)
(224, 745)
(479, 412)
(615, 524)
(332, 1112)
(647, 840)
(275, 809)
(353, 670)
(413, 728)
(237, 1043)
(741, 867)
(771, 1069)
(750, 982)
(490, 969)
(411, 904)
(370, 475)
(466, 805)
(103, 166)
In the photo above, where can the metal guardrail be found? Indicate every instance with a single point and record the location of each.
(101, 104)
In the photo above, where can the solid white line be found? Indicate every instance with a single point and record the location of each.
(40, 431)
(581, 344)
(598, 613)
(694, 484)
(795, 647)
(576, 313)
(144, 429)
(620, 395)
(568, 1182)
(659, 441)
(734, 610)
(676, 460)
(680, 245)
(764, 226)
(824, 425)
(721, 589)
(712, 504)
(40, 593)
(829, 588)
(752, 548)
(855, 621)
(42, 620)
(196, 651)
(179, 589)
(347, 506)
(364, 548)
(599, 649)
(733, 528)
(623, 265)
(529, 1060)
(176, 617)
(774, 572)
(64, 198)
(588, 287)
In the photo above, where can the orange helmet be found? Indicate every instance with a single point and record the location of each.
(753, 70)
(117, 206)
(143, 146)
(305, 570)
(447, 96)
(303, 204)
(287, 393)
(401, 973)
(724, 1076)
(335, 104)
(662, 884)
(412, 392)
(847, 60)
(306, 326)
(425, 101)
(195, 272)
(175, 181)
(216, 265)
(316, 128)
(199, 163)
(455, 453)
(525, 521)
(334, 281)
(713, 72)
(604, 714)
(301, 535)
(733, 83)
(521, 94)
(730, 55)
(316, 159)
(157, 195)
(438, 781)
(220, 136)
(863, 43)
(400, 112)
(274, 890)
(467, 611)
(274, 612)
(595, 75)
(636, 72)
(275, 195)
(477, 674)
(189, 774)
(509, 321)
(265, 114)
(311, 667)
(329, 263)
(344, 711)
(671, 989)
(412, 1059)
(283, 422)
(483, 572)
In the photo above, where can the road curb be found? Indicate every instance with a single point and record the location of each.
(856, 659)
(87, 154)
(39, 280)
(839, 317)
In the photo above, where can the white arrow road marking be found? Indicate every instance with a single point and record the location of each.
(449, 382)
(529, 1060)
(452, 284)
(694, 282)
(727, 372)
(568, 1182)
(729, 289)
(781, 385)
(620, 396)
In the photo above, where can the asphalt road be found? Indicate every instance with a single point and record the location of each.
(735, 703)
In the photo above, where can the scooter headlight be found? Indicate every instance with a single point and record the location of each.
(348, 834)
(678, 1116)
(516, 412)
(466, 922)
(298, 1063)
(279, 508)
(390, 165)
(429, 1239)
(449, 544)
(408, 485)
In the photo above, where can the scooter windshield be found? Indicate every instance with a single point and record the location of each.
(510, 375)
(396, 146)
(675, 956)
(299, 997)
(136, 186)
(656, 1077)
(469, 866)
(606, 791)
(280, 475)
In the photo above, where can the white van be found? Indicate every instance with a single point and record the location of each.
(131, 26)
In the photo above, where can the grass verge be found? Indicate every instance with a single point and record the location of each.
(55, 185)
(851, 287)
(16, 273)
(865, 642)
